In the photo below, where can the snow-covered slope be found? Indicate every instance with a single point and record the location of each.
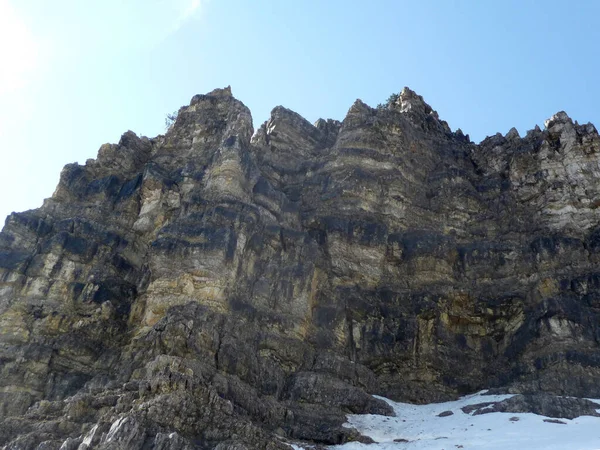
(419, 427)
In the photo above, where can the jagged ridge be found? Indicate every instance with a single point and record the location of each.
(241, 288)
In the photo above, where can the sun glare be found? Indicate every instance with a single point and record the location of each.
(18, 49)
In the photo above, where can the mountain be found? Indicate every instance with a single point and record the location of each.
(218, 287)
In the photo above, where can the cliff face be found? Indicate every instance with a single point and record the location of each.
(220, 287)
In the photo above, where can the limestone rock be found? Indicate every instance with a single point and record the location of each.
(220, 288)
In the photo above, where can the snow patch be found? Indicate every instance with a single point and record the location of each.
(418, 427)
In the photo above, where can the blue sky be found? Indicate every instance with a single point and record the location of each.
(75, 74)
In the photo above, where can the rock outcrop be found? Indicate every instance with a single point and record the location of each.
(220, 288)
(541, 404)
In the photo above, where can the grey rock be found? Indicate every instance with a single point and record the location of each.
(215, 286)
(479, 408)
(555, 421)
(544, 405)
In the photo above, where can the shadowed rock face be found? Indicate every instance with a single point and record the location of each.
(220, 288)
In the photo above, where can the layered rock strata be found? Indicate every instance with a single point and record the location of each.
(217, 287)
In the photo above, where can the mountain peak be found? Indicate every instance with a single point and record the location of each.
(560, 117)
(203, 289)
(409, 100)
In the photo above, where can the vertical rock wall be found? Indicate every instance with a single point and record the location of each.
(220, 288)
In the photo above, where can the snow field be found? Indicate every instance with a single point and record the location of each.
(418, 427)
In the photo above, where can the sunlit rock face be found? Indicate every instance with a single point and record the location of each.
(217, 287)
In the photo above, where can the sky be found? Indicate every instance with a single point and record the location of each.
(75, 74)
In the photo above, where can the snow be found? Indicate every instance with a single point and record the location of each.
(421, 426)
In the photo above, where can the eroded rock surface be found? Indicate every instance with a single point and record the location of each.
(220, 288)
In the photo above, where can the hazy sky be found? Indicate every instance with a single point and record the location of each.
(75, 74)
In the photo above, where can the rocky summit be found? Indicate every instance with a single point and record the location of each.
(220, 287)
